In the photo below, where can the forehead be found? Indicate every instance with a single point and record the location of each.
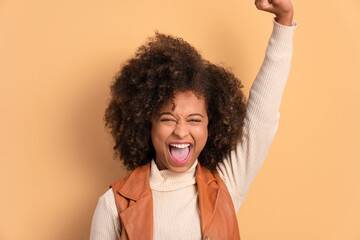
(185, 103)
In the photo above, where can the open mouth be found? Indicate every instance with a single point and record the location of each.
(180, 152)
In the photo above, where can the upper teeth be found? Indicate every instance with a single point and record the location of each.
(180, 145)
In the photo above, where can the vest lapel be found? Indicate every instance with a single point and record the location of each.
(208, 195)
(137, 219)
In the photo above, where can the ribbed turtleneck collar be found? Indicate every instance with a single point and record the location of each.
(166, 180)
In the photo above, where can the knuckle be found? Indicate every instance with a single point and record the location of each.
(260, 4)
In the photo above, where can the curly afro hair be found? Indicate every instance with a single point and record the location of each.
(161, 67)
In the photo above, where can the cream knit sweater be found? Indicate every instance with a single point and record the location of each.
(176, 210)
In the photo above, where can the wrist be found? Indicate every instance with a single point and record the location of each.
(284, 20)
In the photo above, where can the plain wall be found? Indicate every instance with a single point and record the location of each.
(58, 58)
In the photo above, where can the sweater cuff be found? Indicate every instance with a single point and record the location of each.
(282, 32)
(293, 24)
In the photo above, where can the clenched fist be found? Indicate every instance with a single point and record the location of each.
(283, 9)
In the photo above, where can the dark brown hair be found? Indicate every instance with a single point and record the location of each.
(162, 66)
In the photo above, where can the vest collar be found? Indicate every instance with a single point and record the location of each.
(137, 183)
(137, 189)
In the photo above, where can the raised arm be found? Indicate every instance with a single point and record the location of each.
(262, 113)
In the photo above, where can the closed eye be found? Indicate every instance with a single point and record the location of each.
(195, 120)
(167, 120)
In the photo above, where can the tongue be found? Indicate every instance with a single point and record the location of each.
(179, 153)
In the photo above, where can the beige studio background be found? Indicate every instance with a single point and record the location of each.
(57, 59)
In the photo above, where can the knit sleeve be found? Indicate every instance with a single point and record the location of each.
(105, 223)
(262, 115)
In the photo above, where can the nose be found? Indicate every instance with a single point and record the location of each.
(181, 130)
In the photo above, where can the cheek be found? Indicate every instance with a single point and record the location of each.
(205, 136)
(155, 136)
(202, 135)
(159, 134)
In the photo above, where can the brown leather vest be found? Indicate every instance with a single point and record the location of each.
(134, 203)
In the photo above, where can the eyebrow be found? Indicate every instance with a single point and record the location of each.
(165, 113)
(191, 115)
(196, 114)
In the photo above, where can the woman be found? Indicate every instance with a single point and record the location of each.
(182, 125)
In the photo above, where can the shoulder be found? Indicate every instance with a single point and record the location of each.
(107, 200)
(209, 177)
(133, 185)
(105, 222)
(119, 183)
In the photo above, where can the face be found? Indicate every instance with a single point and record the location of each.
(179, 135)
